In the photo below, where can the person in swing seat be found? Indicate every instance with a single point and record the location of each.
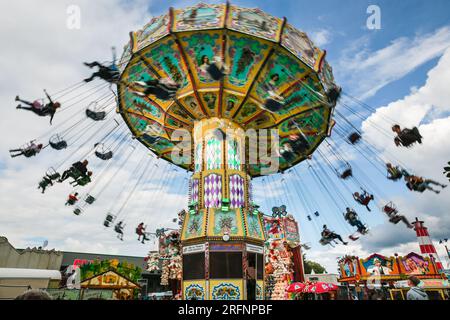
(108, 73)
(331, 235)
(363, 199)
(38, 108)
(75, 171)
(406, 137)
(419, 184)
(352, 217)
(30, 151)
(72, 199)
(118, 228)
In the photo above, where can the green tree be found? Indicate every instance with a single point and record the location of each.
(311, 265)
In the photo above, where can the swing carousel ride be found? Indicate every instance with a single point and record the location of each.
(219, 72)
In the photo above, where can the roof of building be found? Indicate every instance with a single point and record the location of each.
(69, 257)
(22, 273)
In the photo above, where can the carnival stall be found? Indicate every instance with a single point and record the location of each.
(380, 272)
(109, 279)
(436, 289)
(283, 255)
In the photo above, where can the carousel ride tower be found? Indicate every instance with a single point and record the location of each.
(218, 71)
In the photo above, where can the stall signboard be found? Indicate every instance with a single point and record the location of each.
(108, 279)
(225, 247)
(97, 294)
(254, 249)
(291, 230)
(194, 249)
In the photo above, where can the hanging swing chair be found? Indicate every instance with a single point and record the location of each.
(89, 199)
(102, 152)
(77, 211)
(52, 174)
(57, 142)
(354, 138)
(109, 220)
(390, 208)
(94, 112)
(344, 171)
(447, 171)
(325, 242)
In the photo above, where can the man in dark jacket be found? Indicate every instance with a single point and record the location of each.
(415, 293)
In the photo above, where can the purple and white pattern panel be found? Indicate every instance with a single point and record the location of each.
(194, 190)
(213, 191)
(237, 196)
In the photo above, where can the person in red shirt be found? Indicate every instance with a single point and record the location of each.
(73, 198)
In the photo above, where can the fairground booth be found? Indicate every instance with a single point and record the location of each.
(390, 274)
(283, 257)
(103, 279)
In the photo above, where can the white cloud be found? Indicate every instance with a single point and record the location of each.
(321, 37)
(366, 71)
(40, 52)
(426, 107)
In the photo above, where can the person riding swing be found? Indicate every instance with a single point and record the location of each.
(140, 230)
(406, 137)
(329, 235)
(38, 108)
(29, 151)
(395, 217)
(352, 217)
(419, 184)
(77, 170)
(363, 199)
(118, 228)
(109, 73)
(72, 199)
(83, 180)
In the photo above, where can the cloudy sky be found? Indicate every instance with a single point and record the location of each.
(401, 70)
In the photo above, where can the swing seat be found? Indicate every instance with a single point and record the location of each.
(96, 115)
(104, 156)
(109, 220)
(60, 145)
(326, 241)
(75, 173)
(347, 173)
(354, 138)
(29, 153)
(90, 199)
(395, 219)
(83, 181)
(44, 183)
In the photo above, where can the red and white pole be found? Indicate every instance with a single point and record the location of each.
(426, 245)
